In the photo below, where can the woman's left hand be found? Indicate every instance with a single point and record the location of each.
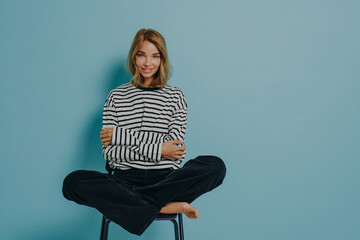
(106, 136)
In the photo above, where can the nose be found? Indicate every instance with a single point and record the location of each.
(147, 61)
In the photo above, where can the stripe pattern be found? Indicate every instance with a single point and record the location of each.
(142, 119)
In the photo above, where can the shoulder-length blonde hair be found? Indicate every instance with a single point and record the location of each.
(164, 72)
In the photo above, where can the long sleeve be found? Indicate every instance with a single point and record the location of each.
(177, 123)
(176, 129)
(127, 145)
(149, 144)
(142, 121)
(145, 143)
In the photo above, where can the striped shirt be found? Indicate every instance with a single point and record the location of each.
(142, 119)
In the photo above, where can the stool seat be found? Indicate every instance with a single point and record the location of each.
(163, 216)
(178, 225)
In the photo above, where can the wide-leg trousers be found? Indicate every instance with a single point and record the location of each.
(133, 198)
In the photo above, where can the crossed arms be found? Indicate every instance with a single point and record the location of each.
(122, 144)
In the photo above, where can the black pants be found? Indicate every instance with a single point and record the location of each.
(133, 198)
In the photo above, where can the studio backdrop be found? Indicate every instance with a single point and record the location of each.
(272, 88)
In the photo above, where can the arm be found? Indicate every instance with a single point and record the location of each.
(177, 124)
(176, 129)
(130, 148)
(121, 154)
(148, 144)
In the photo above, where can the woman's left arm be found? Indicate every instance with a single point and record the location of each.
(123, 137)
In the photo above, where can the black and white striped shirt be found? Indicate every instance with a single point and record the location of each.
(142, 119)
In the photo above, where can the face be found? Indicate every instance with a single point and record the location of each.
(148, 60)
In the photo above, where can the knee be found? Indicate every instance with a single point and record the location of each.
(71, 183)
(215, 165)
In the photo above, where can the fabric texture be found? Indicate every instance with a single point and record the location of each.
(143, 181)
(142, 119)
(133, 198)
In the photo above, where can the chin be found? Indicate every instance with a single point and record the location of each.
(147, 75)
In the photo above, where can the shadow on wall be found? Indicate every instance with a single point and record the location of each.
(89, 155)
(81, 223)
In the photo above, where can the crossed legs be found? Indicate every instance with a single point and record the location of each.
(133, 200)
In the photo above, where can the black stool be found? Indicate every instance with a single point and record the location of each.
(171, 217)
(178, 226)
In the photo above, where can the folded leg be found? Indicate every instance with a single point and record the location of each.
(113, 198)
(195, 178)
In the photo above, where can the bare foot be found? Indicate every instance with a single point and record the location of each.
(180, 207)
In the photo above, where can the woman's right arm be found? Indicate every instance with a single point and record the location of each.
(128, 148)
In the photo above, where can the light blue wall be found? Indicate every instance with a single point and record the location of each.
(272, 87)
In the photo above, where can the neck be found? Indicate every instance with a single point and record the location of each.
(148, 83)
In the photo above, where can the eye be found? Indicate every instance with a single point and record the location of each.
(140, 55)
(156, 56)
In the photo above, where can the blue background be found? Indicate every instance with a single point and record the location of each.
(272, 87)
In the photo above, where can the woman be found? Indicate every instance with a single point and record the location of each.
(143, 133)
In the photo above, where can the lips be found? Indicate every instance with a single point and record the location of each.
(147, 70)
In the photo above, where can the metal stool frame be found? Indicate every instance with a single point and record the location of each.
(160, 217)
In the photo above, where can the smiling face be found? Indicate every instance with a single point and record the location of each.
(148, 61)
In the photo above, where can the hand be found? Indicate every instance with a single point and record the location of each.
(171, 150)
(106, 136)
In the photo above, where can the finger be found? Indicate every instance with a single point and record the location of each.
(173, 157)
(179, 149)
(104, 137)
(107, 133)
(182, 148)
(177, 141)
(105, 140)
(105, 130)
(178, 156)
(181, 153)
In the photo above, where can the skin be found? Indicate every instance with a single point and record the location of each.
(148, 60)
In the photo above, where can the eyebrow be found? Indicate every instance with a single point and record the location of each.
(153, 54)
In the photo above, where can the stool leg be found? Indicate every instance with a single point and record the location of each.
(181, 226)
(104, 228)
(176, 229)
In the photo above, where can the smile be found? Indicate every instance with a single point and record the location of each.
(147, 70)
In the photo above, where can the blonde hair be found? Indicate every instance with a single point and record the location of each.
(164, 72)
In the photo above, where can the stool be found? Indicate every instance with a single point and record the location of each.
(171, 217)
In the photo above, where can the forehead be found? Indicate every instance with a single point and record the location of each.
(148, 47)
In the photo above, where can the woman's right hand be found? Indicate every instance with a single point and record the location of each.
(171, 150)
